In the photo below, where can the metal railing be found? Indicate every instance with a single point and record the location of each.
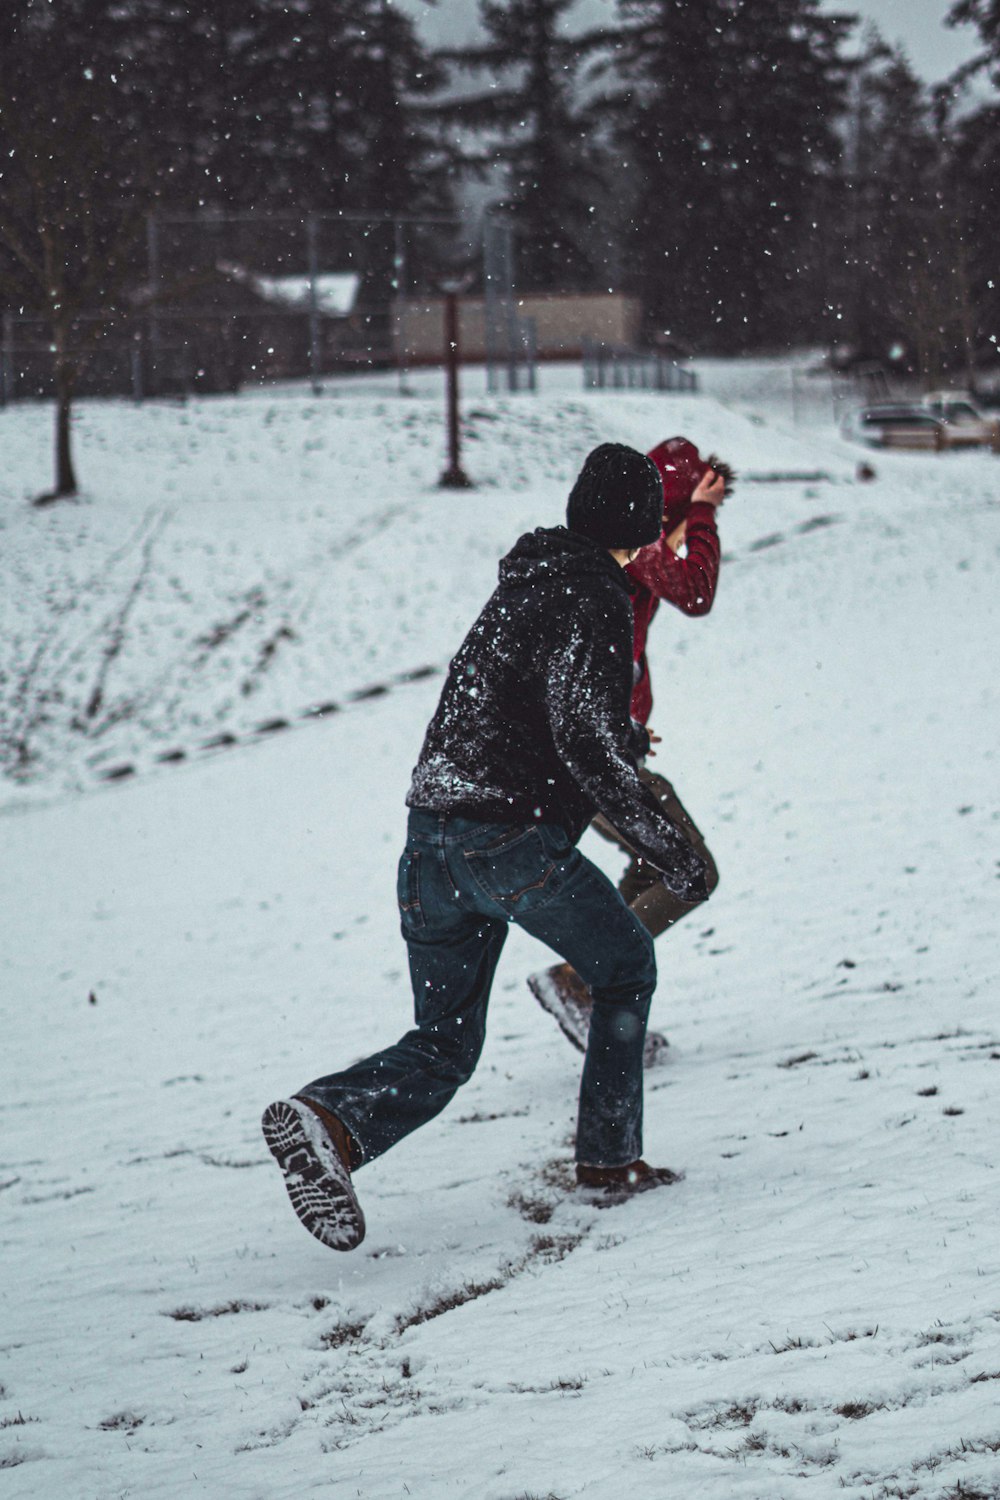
(613, 367)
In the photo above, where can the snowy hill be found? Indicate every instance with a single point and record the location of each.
(815, 1311)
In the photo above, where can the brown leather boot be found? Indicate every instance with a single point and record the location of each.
(562, 993)
(337, 1131)
(313, 1150)
(618, 1183)
(567, 999)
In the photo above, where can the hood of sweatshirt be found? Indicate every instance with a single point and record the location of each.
(554, 554)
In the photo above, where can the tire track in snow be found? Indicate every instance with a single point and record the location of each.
(128, 770)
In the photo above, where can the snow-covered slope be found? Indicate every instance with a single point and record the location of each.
(815, 1311)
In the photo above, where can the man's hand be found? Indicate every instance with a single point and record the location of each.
(711, 489)
(654, 739)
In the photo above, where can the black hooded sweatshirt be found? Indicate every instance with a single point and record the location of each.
(533, 723)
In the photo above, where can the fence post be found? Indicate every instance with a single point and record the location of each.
(497, 284)
(399, 287)
(153, 261)
(513, 340)
(314, 329)
(530, 327)
(7, 372)
(505, 335)
(136, 355)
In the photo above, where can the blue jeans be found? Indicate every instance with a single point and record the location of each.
(461, 883)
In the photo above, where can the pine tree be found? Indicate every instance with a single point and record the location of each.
(251, 92)
(726, 112)
(404, 169)
(985, 16)
(975, 147)
(898, 227)
(536, 131)
(903, 262)
(293, 105)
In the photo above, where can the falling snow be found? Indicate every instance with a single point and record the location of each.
(814, 1311)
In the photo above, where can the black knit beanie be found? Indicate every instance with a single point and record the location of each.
(617, 499)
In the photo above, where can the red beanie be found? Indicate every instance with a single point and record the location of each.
(681, 469)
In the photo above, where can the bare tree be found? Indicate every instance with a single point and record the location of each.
(77, 179)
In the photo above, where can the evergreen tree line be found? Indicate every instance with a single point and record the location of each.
(735, 164)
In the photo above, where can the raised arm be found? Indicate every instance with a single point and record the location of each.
(689, 582)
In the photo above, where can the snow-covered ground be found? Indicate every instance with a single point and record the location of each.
(198, 916)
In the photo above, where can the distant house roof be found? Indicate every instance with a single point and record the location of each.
(336, 291)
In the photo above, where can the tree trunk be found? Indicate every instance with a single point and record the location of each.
(65, 475)
(65, 380)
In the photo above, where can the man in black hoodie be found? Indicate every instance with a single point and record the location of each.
(531, 737)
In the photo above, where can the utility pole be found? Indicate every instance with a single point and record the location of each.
(454, 476)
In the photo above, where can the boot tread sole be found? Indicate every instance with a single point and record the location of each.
(318, 1184)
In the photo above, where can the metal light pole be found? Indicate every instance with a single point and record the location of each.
(454, 476)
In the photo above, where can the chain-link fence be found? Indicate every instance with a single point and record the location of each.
(228, 300)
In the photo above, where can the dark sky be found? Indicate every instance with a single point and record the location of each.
(934, 50)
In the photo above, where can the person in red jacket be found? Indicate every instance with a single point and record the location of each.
(693, 490)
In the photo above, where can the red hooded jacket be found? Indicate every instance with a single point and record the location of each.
(657, 573)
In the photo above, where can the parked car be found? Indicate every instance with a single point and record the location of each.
(942, 419)
(964, 424)
(894, 425)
